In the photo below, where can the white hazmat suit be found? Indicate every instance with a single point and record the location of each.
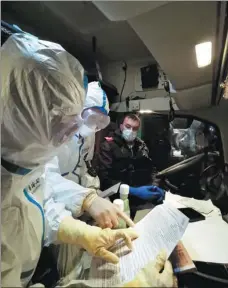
(37, 95)
(71, 164)
(78, 152)
(43, 94)
(72, 161)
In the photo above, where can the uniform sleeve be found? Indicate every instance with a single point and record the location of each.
(154, 170)
(145, 150)
(62, 198)
(105, 160)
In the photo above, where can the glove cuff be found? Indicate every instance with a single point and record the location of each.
(89, 200)
(134, 283)
(132, 190)
(70, 230)
(76, 232)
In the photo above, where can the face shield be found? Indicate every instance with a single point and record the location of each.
(92, 117)
(93, 121)
(95, 113)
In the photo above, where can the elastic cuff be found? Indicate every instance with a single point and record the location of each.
(134, 283)
(53, 226)
(89, 200)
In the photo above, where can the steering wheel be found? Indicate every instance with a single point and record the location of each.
(181, 165)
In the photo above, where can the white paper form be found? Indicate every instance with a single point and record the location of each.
(110, 191)
(207, 240)
(205, 207)
(162, 228)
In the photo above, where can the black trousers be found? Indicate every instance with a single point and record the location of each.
(46, 271)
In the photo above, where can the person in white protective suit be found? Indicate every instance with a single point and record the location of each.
(72, 158)
(42, 97)
(75, 161)
(76, 156)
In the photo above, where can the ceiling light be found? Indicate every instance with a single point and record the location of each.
(203, 54)
(145, 111)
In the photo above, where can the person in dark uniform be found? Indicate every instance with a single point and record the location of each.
(124, 158)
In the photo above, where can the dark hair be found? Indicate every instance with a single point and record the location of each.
(133, 117)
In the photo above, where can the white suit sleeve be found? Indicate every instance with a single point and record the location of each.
(91, 182)
(91, 144)
(62, 198)
(88, 180)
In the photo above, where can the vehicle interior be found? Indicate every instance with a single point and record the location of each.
(119, 37)
(188, 168)
(143, 53)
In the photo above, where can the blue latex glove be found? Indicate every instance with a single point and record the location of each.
(148, 192)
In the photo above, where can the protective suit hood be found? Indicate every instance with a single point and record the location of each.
(96, 98)
(42, 85)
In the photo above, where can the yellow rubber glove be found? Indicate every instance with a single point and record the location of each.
(104, 212)
(93, 239)
(151, 275)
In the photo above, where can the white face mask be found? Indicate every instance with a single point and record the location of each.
(129, 135)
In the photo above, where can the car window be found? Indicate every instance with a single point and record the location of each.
(196, 138)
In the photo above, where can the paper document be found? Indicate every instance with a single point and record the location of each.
(140, 214)
(207, 240)
(110, 191)
(202, 206)
(162, 228)
(173, 199)
(205, 207)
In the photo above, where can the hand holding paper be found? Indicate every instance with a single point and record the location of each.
(95, 240)
(161, 229)
(158, 273)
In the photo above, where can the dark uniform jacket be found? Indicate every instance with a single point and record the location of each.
(117, 162)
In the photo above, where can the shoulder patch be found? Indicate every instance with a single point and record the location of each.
(109, 139)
